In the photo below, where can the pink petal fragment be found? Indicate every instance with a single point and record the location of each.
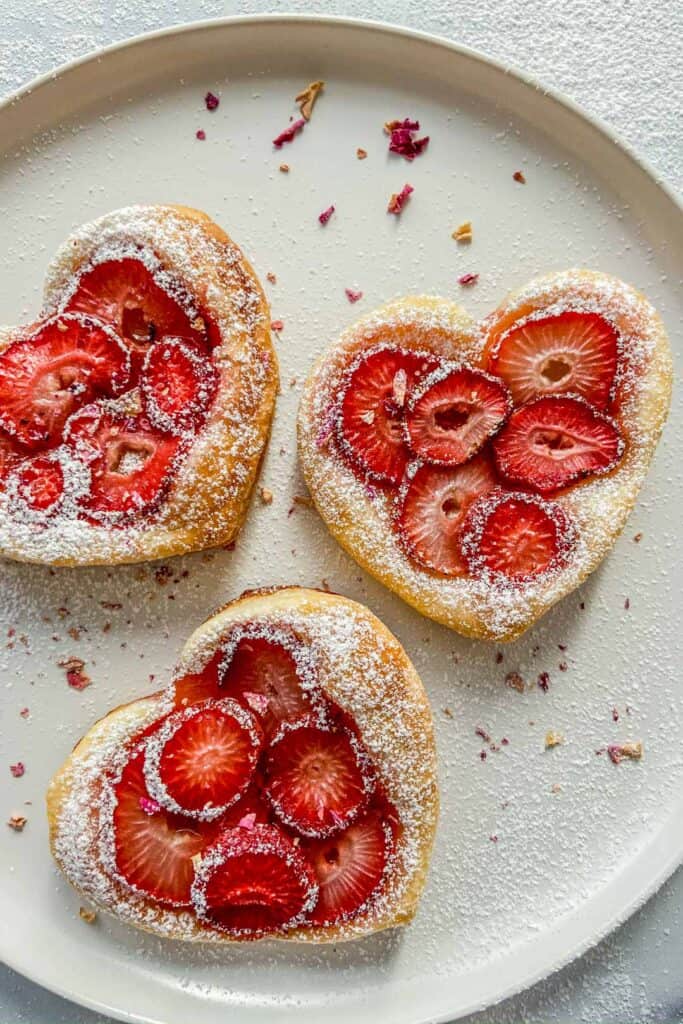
(288, 134)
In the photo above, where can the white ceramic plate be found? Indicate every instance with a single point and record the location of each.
(567, 865)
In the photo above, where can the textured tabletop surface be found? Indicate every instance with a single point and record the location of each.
(621, 60)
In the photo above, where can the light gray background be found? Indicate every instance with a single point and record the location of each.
(622, 61)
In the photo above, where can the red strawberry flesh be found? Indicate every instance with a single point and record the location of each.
(552, 442)
(432, 508)
(153, 852)
(262, 667)
(202, 758)
(45, 377)
(253, 882)
(40, 483)
(127, 295)
(572, 351)
(316, 780)
(453, 412)
(178, 384)
(130, 461)
(517, 535)
(349, 867)
(370, 425)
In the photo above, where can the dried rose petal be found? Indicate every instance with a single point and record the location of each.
(544, 681)
(325, 215)
(468, 279)
(277, 325)
(617, 752)
(24, 712)
(482, 733)
(398, 199)
(200, 134)
(406, 125)
(270, 276)
(402, 139)
(307, 97)
(352, 295)
(17, 769)
(518, 176)
(248, 822)
(75, 676)
(149, 806)
(288, 134)
(515, 681)
(211, 101)
(361, 153)
(17, 822)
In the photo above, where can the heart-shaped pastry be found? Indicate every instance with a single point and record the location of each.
(284, 785)
(482, 471)
(135, 412)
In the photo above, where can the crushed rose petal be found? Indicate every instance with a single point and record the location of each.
(17, 822)
(212, 101)
(247, 822)
(289, 133)
(617, 752)
(277, 325)
(24, 712)
(149, 806)
(515, 681)
(398, 199)
(352, 295)
(638, 537)
(468, 279)
(325, 215)
(518, 176)
(615, 715)
(270, 276)
(482, 733)
(284, 168)
(361, 153)
(75, 676)
(402, 139)
(200, 134)
(307, 97)
(17, 769)
(544, 681)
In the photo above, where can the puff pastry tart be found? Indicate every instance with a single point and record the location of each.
(134, 413)
(482, 471)
(283, 785)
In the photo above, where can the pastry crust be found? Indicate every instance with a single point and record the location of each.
(208, 499)
(359, 517)
(362, 667)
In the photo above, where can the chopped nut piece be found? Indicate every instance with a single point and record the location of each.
(518, 176)
(270, 276)
(307, 97)
(638, 537)
(463, 233)
(89, 916)
(266, 496)
(632, 750)
(361, 153)
(514, 680)
(17, 822)
(284, 168)
(553, 739)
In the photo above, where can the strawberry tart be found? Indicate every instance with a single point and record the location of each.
(483, 470)
(284, 785)
(134, 413)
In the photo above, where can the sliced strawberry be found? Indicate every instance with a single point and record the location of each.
(44, 377)
(198, 686)
(516, 535)
(9, 457)
(130, 461)
(370, 425)
(127, 295)
(153, 850)
(453, 412)
(38, 483)
(253, 882)
(432, 507)
(349, 867)
(202, 758)
(317, 780)
(554, 441)
(263, 675)
(178, 384)
(575, 352)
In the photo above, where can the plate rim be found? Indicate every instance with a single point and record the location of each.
(674, 858)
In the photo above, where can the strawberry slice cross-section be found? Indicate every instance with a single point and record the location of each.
(453, 412)
(126, 294)
(572, 351)
(349, 867)
(552, 442)
(253, 882)
(317, 780)
(178, 384)
(130, 461)
(201, 759)
(516, 536)
(431, 510)
(154, 850)
(65, 363)
(370, 425)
